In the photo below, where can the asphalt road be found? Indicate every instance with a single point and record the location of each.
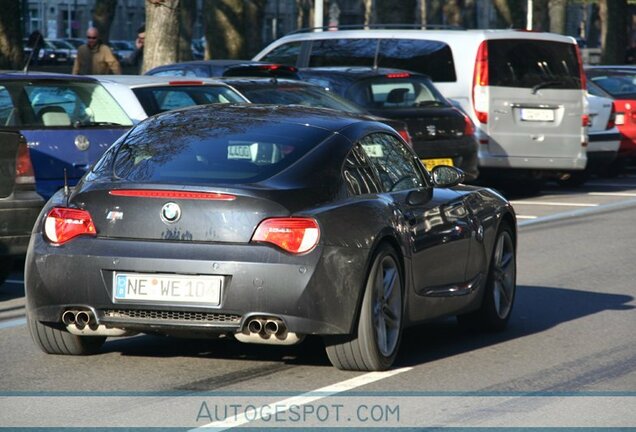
(568, 358)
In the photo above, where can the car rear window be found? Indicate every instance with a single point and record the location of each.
(619, 84)
(57, 103)
(159, 99)
(432, 58)
(386, 92)
(296, 95)
(527, 63)
(208, 151)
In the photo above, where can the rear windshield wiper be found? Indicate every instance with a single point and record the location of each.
(545, 84)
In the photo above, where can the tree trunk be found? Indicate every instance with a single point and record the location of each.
(162, 33)
(388, 13)
(557, 10)
(187, 13)
(421, 13)
(103, 16)
(10, 35)
(512, 12)
(614, 22)
(233, 28)
(304, 15)
(540, 15)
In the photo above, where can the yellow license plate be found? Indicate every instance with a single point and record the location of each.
(432, 163)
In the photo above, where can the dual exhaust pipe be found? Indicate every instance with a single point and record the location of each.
(84, 323)
(80, 319)
(267, 330)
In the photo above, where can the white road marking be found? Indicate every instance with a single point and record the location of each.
(550, 203)
(306, 398)
(616, 194)
(526, 217)
(17, 322)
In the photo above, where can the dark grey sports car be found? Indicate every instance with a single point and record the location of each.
(267, 223)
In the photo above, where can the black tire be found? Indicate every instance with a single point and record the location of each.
(377, 340)
(54, 341)
(6, 266)
(500, 288)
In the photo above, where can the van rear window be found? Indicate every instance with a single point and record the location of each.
(432, 58)
(529, 63)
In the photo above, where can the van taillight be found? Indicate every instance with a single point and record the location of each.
(480, 83)
(581, 71)
(23, 167)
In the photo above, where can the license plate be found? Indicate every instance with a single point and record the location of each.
(536, 114)
(432, 163)
(165, 288)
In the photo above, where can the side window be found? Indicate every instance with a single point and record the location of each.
(358, 173)
(338, 52)
(8, 114)
(287, 53)
(55, 106)
(394, 163)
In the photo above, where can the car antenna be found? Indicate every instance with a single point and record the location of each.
(377, 54)
(66, 189)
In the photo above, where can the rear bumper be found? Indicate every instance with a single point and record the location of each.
(18, 213)
(534, 163)
(311, 294)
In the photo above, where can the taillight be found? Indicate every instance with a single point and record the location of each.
(185, 83)
(169, 194)
(294, 235)
(63, 224)
(480, 83)
(611, 121)
(23, 167)
(398, 75)
(581, 71)
(469, 128)
(585, 120)
(406, 136)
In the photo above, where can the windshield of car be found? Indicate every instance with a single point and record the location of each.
(396, 91)
(531, 63)
(57, 103)
(182, 148)
(619, 84)
(164, 98)
(296, 95)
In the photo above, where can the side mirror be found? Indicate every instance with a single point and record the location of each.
(447, 176)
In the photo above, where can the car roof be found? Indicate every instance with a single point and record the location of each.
(30, 76)
(151, 80)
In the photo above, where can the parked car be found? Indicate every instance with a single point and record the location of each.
(143, 96)
(440, 132)
(68, 122)
(603, 137)
(19, 203)
(49, 54)
(218, 68)
(619, 84)
(293, 92)
(122, 49)
(524, 91)
(267, 224)
(64, 45)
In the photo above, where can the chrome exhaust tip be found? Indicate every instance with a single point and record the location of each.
(255, 326)
(68, 317)
(273, 327)
(82, 319)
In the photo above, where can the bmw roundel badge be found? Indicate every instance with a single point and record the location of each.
(170, 212)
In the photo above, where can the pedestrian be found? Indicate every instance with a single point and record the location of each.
(95, 58)
(35, 42)
(136, 58)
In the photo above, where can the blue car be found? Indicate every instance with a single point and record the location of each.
(68, 122)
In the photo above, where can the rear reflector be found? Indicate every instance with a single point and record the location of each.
(168, 194)
(294, 235)
(23, 167)
(63, 224)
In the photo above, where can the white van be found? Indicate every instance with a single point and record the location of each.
(525, 91)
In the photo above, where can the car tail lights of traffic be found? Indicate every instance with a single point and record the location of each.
(294, 235)
(469, 128)
(480, 83)
(398, 75)
(611, 122)
(23, 167)
(63, 224)
(406, 136)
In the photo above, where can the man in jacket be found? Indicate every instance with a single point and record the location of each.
(95, 58)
